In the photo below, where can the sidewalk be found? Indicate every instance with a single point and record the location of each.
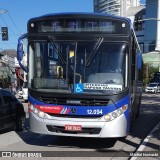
(150, 145)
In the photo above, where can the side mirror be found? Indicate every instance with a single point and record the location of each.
(19, 51)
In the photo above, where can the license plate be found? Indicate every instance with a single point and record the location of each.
(72, 127)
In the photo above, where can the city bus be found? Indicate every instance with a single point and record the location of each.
(84, 74)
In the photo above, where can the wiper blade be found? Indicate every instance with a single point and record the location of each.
(94, 51)
(58, 51)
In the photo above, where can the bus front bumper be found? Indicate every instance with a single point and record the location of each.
(90, 127)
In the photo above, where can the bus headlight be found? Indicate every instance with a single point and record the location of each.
(37, 112)
(107, 117)
(113, 115)
(41, 114)
(120, 111)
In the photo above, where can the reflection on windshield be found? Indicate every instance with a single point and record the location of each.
(94, 51)
(98, 66)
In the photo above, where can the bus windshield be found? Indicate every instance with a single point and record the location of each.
(99, 67)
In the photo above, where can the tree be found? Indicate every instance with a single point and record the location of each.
(151, 71)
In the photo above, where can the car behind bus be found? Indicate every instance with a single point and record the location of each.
(153, 88)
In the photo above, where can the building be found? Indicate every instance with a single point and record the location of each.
(7, 68)
(148, 30)
(114, 7)
(10, 71)
(3, 74)
(138, 13)
(152, 33)
(127, 8)
(151, 25)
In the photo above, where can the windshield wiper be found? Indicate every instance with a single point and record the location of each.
(94, 51)
(58, 51)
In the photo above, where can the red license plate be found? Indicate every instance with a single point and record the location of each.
(72, 127)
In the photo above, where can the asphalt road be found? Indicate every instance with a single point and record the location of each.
(88, 148)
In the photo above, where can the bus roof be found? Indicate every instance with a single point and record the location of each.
(80, 23)
(80, 14)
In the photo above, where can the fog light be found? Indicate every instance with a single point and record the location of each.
(107, 117)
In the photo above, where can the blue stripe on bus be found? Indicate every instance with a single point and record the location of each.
(83, 110)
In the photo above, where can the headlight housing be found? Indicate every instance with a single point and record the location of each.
(113, 115)
(38, 112)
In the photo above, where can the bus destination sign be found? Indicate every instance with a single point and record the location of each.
(80, 25)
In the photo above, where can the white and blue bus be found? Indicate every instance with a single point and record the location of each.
(84, 74)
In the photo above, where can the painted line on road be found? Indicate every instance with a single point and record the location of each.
(145, 141)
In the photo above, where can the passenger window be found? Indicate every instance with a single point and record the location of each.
(7, 96)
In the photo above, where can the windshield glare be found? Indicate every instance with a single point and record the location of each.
(93, 66)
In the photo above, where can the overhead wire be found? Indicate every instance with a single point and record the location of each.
(14, 23)
(17, 33)
(7, 24)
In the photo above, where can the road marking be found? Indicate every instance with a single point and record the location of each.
(145, 141)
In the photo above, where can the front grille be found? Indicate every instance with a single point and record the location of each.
(60, 129)
(74, 116)
(81, 102)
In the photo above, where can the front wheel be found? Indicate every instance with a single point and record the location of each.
(19, 125)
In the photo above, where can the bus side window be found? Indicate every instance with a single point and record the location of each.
(133, 75)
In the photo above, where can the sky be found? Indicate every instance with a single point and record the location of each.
(19, 12)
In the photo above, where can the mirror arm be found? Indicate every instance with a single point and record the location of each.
(19, 55)
(22, 37)
(23, 67)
